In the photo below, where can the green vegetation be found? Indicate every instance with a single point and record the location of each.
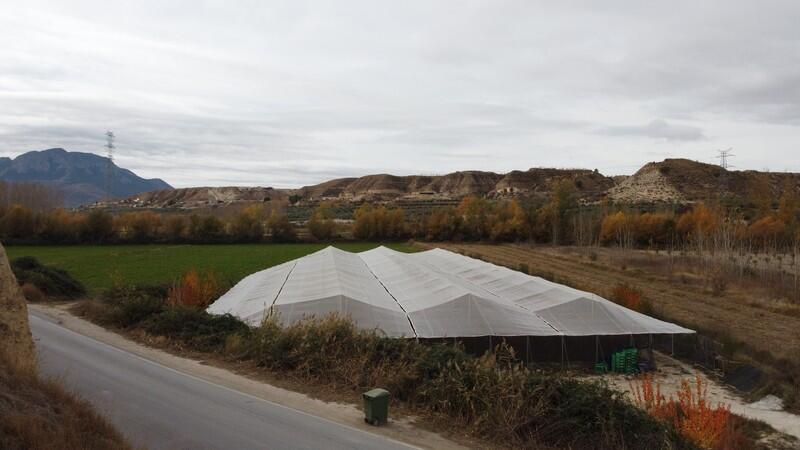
(50, 281)
(494, 396)
(100, 267)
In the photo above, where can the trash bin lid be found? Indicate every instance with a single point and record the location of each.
(376, 393)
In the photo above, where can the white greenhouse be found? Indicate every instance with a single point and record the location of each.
(437, 294)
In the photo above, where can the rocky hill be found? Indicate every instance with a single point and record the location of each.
(533, 182)
(203, 197)
(686, 181)
(80, 177)
(678, 181)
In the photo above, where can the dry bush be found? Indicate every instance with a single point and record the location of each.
(32, 293)
(39, 414)
(691, 414)
(628, 296)
(194, 289)
(493, 396)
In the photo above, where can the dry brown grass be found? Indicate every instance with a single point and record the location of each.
(40, 414)
(32, 293)
(763, 329)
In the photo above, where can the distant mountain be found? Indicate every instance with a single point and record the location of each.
(81, 177)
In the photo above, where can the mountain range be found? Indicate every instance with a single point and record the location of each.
(80, 177)
(673, 181)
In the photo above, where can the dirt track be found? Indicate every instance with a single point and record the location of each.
(762, 329)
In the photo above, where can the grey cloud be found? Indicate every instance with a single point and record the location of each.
(293, 94)
(658, 129)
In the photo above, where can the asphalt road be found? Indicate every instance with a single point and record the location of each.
(161, 408)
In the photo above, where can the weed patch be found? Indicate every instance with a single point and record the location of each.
(50, 281)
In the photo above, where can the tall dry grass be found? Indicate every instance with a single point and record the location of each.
(39, 414)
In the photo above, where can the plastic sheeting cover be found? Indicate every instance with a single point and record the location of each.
(432, 294)
(571, 311)
(443, 306)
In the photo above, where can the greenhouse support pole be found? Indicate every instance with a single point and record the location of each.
(596, 348)
(527, 349)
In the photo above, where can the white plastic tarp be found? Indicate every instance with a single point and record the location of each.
(571, 311)
(328, 281)
(336, 281)
(432, 294)
(443, 306)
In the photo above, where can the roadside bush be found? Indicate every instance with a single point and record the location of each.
(195, 290)
(494, 396)
(197, 328)
(50, 281)
(32, 293)
(129, 305)
(691, 414)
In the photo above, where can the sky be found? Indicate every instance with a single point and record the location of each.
(286, 94)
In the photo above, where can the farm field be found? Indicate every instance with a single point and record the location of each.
(99, 266)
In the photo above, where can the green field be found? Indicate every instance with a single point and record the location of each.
(98, 267)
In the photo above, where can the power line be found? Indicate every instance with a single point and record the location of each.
(723, 156)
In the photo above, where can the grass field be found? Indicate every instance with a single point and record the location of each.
(98, 267)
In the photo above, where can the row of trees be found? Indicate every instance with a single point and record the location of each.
(19, 224)
(560, 220)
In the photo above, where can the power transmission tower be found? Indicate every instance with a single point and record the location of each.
(110, 167)
(723, 156)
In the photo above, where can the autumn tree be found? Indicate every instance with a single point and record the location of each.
(205, 229)
(18, 222)
(322, 224)
(378, 222)
(761, 195)
(554, 214)
(280, 228)
(698, 224)
(508, 222)
(248, 225)
(474, 214)
(97, 227)
(143, 226)
(174, 228)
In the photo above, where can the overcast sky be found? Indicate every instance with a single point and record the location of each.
(292, 93)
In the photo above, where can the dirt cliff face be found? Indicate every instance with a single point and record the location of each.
(15, 335)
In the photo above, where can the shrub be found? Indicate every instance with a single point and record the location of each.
(194, 290)
(51, 281)
(130, 305)
(628, 296)
(691, 414)
(32, 293)
(195, 327)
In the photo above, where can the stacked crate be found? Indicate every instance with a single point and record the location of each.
(624, 361)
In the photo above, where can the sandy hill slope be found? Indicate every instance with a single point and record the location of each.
(685, 181)
(203, 197)
(81, 177)
(533, 182)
